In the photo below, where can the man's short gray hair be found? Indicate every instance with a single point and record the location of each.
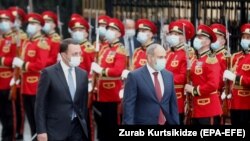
(151, 49)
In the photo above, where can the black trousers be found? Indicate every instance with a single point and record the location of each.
(76, 132)
(240, 117)
(29, 107)
(6, 116)
(206, 121)
(106, 119)
(181, 118)
(19, 114)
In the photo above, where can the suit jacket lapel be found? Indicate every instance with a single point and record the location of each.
(61, 76)
(149, 81)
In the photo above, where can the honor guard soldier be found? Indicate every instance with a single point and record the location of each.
(240, 76)
(146, 30)
(219, 49)
(102, 25)
(205, 81)
(177, 58)
(7, 53)
(31, 62)
(111, 64)
(20, 19)
(51, 21)
(21, 36)
(80, 28)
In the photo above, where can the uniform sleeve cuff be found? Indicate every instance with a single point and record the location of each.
(237, 80)
(25, 66)
(104, 72)
(196, 91)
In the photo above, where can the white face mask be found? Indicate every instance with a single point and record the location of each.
(78, 36)
(160, 64)
(130, 33)
(75, 61)
(197, 43)
(110, 36)
(5, 26)
(245, 44)
(215, 45)
(102, 31)
(173, 40)
(46, 28)
(142, 37)
(31, 30)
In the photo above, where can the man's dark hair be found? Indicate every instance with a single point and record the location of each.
(65, 44)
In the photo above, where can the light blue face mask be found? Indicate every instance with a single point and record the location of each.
(245, 43)
(102, 31)
(215, 45)
(5, 26)
(173, 40)
(110, 36)
(78, 36)
(160, 64)
(197, 43)
(46, 28)
(31, 30)
(142, 37)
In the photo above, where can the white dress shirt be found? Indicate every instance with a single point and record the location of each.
(66, 71)
(151, 71)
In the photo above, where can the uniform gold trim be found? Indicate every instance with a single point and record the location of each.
(203, 101)
(32, 79)
(174, 63)
(6, 49)
(178, 95)
(108, 85)
(6, 74)
(198, 70)
(246, 67)
(31, 53)
(244, 93)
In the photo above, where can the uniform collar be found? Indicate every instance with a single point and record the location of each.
(178, 47)
(204, 53)
(36, 36)
(220, 49)
(115, 43)
(144, 47)
(8, 34)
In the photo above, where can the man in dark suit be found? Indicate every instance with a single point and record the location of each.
(61, 102)
(149, 95)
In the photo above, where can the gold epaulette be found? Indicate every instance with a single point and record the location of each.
(43, 44)
(23, 35)
(211, 58)
(88, 47)
(121, 50)
(56, 38)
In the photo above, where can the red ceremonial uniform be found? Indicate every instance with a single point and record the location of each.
(113, 60)
(34, 53)
(177, 60)
(88, 50)
(241, 85)
(7, 53)
(54, 38)
(204, 75)
(139, 57)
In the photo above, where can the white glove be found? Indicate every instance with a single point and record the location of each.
(223, 95)
(90, 87)
(12, 81)
(17, 62)
(229, 96)
(189, 88)
(228, 75)
(121, 92)
(125, 74)
(96, 68)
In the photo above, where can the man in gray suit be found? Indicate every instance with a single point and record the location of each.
(149, 95)
(61, 102)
